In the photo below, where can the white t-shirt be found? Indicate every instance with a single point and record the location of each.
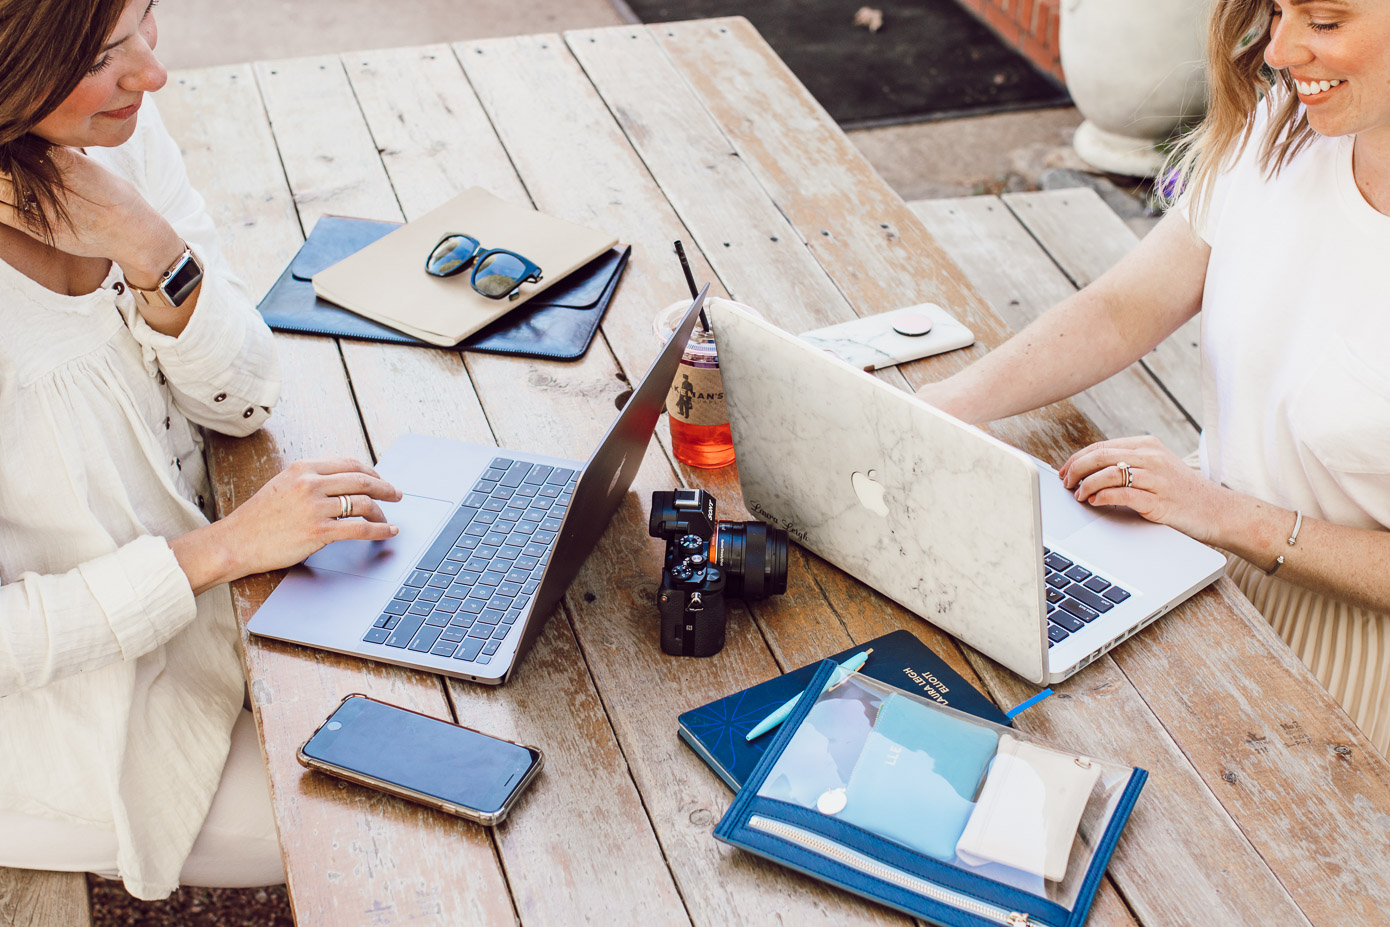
(1296, 336)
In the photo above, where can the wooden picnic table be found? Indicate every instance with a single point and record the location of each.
(1265, 804)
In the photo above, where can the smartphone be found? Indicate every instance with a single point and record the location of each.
(413, 756)
(877, 341)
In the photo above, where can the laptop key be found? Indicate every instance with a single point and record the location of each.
(1116, 594)
(440, 581)
(485, 517)
(473, 606)
(1057, 581)
(427, 637)
(443, 649)
(516, 473)
(1089, 598)
(1055, 595)
(376, 636)
(491, 578)
(396, 607)
(448, 604)
(539, 474)
(431, 594)
(1056, 634)
(407, 593)
(494, 505)
(491, 647)
(551, 524)
(420, 608)
(453, 633)
(531, 550)
(405, 631)
(469, 649)
(508, 515)
(1067, 621)
(382, 621)
(1077, 573)
(561, 476)
(495, 538)
(500, 463)
(550, 492)
(517, 575)
(1075, 608)
(1057, 561)
(480, 632)
(417, 578)
(450, 567)
(500, 631)
(483, 659)
(437, 619)
(490, 616)
(1096, 584)
(510, 552)
(477, 531)
(476, 565)
(474, 500)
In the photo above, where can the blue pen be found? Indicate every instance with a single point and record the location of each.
(851, 665)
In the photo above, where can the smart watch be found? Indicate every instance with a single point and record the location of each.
(177, 283)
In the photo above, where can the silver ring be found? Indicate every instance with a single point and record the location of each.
(1127, 472)
(346, 503)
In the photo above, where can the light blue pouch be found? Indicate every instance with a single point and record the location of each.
(917, 777)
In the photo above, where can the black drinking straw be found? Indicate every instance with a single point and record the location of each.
(690, 281)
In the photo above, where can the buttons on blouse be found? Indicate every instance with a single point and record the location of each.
(119, 287)
(248, 413)
(166, 423)
(159, 377)
(219, 397)
(200, 502)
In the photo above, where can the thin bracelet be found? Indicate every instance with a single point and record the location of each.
(1293, 539)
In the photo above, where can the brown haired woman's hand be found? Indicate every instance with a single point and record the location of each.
(108, 218)
(293, 515)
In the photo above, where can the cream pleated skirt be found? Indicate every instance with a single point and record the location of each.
(1347, 648)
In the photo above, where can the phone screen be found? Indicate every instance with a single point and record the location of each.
(410, 750)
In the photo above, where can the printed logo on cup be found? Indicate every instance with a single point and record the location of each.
(697, 395)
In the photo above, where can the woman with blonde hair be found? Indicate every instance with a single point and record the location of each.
(127, 750)
(1279, 238)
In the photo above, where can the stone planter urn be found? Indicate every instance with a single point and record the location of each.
(1136, 70)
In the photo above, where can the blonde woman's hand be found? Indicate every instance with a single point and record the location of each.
(108, 219)
(1162, 488)
(293, 515)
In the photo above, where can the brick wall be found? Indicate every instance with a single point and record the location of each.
(1028, 25)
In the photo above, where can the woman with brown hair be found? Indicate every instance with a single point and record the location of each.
(127, 751)
(1280, 240)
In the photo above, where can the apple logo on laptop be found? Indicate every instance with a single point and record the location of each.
(617, 475)
(869, 491)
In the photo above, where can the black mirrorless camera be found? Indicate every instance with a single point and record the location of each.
(706, 559)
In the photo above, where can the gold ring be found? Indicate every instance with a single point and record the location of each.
(1126, 472)
(346, 503)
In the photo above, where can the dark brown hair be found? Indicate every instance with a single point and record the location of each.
(46, 48)
(1240, 82)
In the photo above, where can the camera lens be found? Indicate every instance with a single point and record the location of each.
(754, 556)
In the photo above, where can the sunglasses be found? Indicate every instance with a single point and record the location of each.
(497, 273)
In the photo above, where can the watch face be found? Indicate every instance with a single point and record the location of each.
(183, 281)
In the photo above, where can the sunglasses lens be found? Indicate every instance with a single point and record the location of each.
(451, 255)
(498, 274)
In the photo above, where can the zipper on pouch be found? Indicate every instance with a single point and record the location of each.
(872, 867)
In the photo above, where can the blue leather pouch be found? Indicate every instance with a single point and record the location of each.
(913, 797)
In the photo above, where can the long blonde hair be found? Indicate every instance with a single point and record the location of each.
(1240, 83)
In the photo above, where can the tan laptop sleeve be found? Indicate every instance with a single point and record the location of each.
(386, 281)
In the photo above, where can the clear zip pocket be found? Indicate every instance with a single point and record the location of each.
(809, 840)
(928, 809)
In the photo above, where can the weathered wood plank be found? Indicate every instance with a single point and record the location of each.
(435, 141)
(1020, 282)
(324, 825)
(44, 899)
(1086, 238)
(774, 126)
(576, 164)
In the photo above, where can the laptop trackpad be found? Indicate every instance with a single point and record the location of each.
(1062, 515)
(419, 519)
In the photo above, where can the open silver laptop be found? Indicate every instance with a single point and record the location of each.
(977, 537)
(490, 540)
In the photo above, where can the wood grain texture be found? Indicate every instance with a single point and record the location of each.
(1020, 282)
(43, 899)
(436, 141)
(577, 164)
(353, 856)
(1086, 238)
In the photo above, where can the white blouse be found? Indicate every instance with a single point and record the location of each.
(118, 689)
(1296, 336)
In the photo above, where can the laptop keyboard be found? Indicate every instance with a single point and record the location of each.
(465, 595)
(1075, 596)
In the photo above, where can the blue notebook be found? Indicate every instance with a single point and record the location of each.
(716, 731)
